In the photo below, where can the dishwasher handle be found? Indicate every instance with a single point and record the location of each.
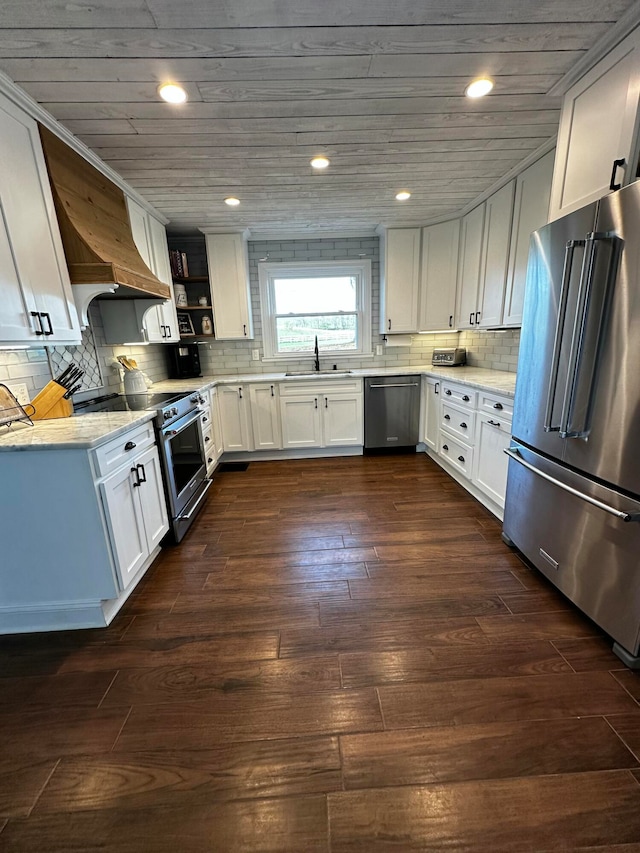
(397, 385)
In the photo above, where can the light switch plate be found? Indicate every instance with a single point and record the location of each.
(378, 349)
(255, 355)
(20, 392)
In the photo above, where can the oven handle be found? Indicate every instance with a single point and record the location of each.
(197, 503)
(174, 429)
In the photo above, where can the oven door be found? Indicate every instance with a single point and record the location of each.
(184, 458)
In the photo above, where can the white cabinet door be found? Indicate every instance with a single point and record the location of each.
(493, 435)
(161, 267)
(151, 496)
(126, 525)
(471, 233)
(139, 219)
(439, 271)
(432, 412)
(301, 425)
(265, 417)
(229, 278)
(495, 256)
(401, 280)
(530, 212)
(33, 271)
(216, 426)
(597, 127)
(342, 420)
(234, 417)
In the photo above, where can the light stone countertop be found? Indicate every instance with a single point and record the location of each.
(90, 430)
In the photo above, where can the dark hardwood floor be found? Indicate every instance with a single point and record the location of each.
(341, 656)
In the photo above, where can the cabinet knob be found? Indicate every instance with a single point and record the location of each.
(460, 458)
(497, 406)
(463, 425)
(207, 438)
(130, 445)
(447, 392)
(465, 397)
(445, 447)
(447, 417)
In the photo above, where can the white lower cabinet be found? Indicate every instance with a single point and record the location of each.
(265, 416)
(431, 401)
(233, 404)
(216, 429)
(493, 435)
(468, 431)
(322, 415)
(136, 512)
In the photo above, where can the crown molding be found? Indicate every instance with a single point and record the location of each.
(26, 103)
(614, 35)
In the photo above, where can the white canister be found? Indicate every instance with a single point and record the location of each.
(134, 382)
(207, 325)
(180, 292)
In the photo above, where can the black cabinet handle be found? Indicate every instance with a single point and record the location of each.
(460, 458)
(142, 479)
(130, 445)
(465, 397)
(168, 331)
(209, 460)
(163, 332)
(316, 402)
(244, 329)
(450, 320)
(445, 447)
(389, 325)
(478, 315)
(240, 393)
(45, 314)
(204, 419)
(39, 331)
(447, 417)
(207, 438)
(326, 402)
(497, 406)
(436, 388)
(494, 423)
(463, 425)
(137, 473)
(272, 394)
(471, 319)
(447, 392)
(617, 164)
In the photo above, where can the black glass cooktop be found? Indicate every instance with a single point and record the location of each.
(127, 402)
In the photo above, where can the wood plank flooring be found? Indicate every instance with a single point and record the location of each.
(341, 656)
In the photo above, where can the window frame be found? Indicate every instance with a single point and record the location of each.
(359, 269)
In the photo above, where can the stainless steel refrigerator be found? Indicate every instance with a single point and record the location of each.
(573, 490)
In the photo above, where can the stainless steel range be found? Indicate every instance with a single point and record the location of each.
(180, 444)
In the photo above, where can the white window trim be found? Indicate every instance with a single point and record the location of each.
(360, 268)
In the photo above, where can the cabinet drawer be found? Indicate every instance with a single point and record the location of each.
(209, 448)
(110, 456)
(205, 418)
(457, 454)
(495, 404)
(316, 387)
(458, 422)
(460, 395)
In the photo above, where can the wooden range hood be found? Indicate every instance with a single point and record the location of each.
(94, 224)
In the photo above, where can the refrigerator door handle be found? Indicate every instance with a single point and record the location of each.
(579, 337)
(569, 250)
(513, 453)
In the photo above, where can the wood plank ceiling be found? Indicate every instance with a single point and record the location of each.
(375, 85)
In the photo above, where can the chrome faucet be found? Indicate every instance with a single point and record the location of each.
(316, 364)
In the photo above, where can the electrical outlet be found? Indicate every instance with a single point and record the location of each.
(255, 355)
(378, 349)
(20, 392)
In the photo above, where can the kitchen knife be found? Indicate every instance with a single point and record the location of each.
(73, 390)
(64, 376)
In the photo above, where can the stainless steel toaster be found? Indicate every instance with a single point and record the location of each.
(449, 356)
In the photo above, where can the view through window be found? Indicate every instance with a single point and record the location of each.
(304, 302)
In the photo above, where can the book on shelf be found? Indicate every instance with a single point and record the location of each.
(179, 264)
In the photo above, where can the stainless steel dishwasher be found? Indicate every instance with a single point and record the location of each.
(391, 411)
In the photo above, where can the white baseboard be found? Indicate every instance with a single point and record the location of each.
(474, 491)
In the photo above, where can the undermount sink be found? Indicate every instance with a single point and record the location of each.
(316, 372)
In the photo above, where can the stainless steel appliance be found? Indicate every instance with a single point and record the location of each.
(449, 356)
(180, 444)
(391, 411)
(573, 490)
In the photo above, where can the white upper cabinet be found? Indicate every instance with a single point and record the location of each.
(160, 322)
(597, 144)
(530, 212)
(495, 257)
(229, 279)
(400, 285)
(438, 276)
(37, 302)
(471, 234)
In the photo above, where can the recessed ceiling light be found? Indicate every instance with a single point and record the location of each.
(479, 88)
(172, 93)
(320, 162)
(232, 201)
(403, 195)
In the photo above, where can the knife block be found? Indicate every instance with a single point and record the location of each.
(50, 403)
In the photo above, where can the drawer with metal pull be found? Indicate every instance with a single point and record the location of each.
(496, 404)
(457, 454)
(110, 456)
(458, 421)
(459, 394)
